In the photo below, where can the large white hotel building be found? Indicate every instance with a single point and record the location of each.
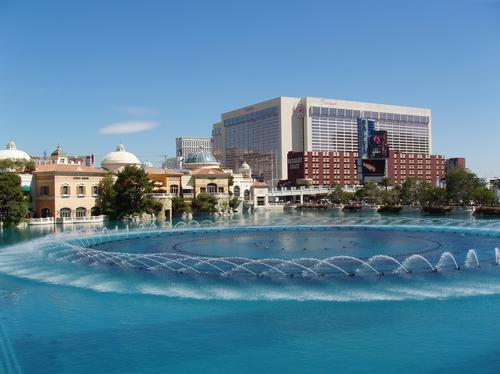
(262, 134)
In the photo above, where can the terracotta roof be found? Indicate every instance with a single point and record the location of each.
(208, 172)
(259, 184)
(67, 168)
(162, 171)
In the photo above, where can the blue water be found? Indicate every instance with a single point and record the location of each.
(64, 317)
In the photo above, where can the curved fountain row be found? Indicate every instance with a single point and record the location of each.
(296, 220)
(81, 250)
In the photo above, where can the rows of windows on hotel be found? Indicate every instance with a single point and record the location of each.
(252, 133)
(336, 129)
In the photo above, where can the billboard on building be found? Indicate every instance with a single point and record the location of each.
(373, 168)
(362, 138)
(377, 145)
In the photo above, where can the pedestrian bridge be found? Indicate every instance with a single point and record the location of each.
(300, 192)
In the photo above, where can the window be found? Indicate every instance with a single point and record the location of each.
(246, 195)
(261, 200)
(45, 212)
(80, 213)
(203, 190)
(65, 212)
(81, 190)
(221, 189)
(95, 190)
(174, 189)
(44, 190)
(65, 190)
(212, 188)
(236, 191)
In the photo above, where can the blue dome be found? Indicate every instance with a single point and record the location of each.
(200, 157)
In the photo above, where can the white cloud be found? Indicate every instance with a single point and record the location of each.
(135, 110)
(128, 127)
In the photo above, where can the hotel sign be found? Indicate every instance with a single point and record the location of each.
(328, 102)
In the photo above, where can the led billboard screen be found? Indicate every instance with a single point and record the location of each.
(373, 168)
(377, 145)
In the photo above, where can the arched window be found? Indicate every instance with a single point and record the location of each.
(45, 212)
(236, 191)
(81, 212)
(246, 195)
(212, 188)
(65, 213)
(95, 211)
(174, 189)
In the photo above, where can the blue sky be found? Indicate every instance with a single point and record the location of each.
(69, 69)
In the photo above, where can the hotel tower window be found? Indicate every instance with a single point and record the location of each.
(335, 129)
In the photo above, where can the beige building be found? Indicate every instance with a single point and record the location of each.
(66, 192)
(166, 181)
(214, 182)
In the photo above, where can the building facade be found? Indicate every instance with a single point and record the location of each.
(184, 146)
(455, 163)
(64, 191)
(322, 168)
(262, 134)
(327, 168)
(58, 156)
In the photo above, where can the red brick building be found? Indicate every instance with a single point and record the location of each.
(455, 163)
(400, 166)
(327, 168)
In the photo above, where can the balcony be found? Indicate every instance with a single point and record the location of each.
(161, 195)
(41, 221)
(91, 219)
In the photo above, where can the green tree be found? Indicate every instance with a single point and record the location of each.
(179, 205)
(131, 190)
(392, 197)
(204, 203)
(337, 195)
(432, 196)
(461, 185)
(17, 166)
(233, 203)
(483, 196)
(370, 193)
(410, 191)
(386, 183)
(107, 194)
(13, 203)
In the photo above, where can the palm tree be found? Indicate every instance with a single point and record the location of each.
(386, 182)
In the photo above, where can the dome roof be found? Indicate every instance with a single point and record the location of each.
(115, 160)
(244, 165)
(12, 153)
(58, 151)
(200, 157)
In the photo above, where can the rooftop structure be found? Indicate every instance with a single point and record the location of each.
(118, 159)
(12, 153)
(201, 159)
